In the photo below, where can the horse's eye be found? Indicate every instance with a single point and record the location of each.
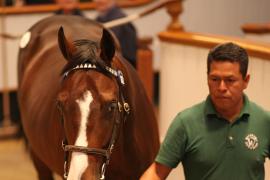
(112, 106)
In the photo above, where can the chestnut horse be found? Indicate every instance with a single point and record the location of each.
(82, 105)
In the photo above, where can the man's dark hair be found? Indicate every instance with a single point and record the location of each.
(229, 52)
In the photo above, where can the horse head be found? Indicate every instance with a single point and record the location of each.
(92, 105)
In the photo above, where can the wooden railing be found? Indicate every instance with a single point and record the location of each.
(257, 49)
(53, 7)
(256, 28)
(257, 31)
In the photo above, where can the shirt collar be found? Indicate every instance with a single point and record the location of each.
(210, 110)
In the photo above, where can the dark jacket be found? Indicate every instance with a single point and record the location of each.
(30, 2)
(75, 11)
(125, 33)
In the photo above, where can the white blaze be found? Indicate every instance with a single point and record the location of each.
(79, 161)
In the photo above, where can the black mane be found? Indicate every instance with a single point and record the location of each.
(85, 51)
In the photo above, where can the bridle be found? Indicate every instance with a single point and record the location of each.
(123, 111)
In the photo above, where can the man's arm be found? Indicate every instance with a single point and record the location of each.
(156, 171)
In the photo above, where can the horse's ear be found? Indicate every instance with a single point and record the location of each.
(66, 47)
(107, 47)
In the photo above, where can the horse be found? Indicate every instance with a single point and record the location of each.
(84, 110)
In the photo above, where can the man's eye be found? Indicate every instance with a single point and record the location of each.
(230, 80)
(214, 79)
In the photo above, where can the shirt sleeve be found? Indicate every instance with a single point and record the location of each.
(173, 147)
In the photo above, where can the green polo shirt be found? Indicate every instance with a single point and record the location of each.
(211, 148)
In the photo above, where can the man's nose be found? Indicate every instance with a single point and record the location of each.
(222, 85)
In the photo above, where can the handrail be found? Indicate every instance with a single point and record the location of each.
(120, 21)
(8, 89)
(256, 28)
(133, 17)
(257, 49)
(29, 9)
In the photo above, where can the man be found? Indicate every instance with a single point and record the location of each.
(36, 2)
(126, 34)
(225, 137)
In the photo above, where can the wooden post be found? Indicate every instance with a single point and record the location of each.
(7, 129)
(6, 104)
(174, 9)
(145, 65)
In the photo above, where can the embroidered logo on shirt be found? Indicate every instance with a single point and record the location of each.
(251, 141)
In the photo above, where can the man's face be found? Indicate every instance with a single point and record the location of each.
(226, 85)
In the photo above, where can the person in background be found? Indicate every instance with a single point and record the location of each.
(37, 2)
(26, 2)
(126, 33)
(7, 3)
(225, 137)
(65, 4)
(68, 7)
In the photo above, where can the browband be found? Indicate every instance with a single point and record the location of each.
(117, 73)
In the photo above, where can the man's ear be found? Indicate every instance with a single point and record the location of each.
(67, 48)
(246, 80)
(107, 47)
